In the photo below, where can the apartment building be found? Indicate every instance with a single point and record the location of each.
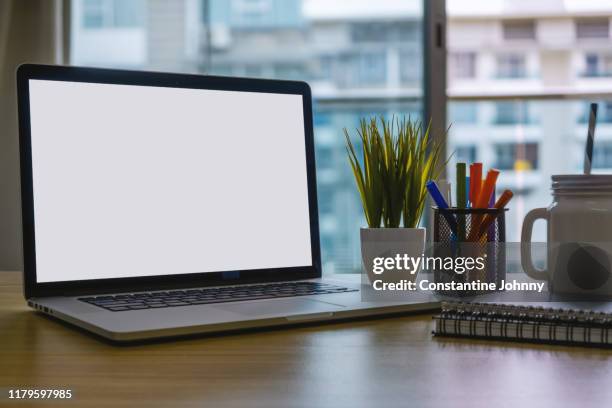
(520, 75)
(359, 64)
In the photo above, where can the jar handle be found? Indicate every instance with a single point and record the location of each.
(526, 234)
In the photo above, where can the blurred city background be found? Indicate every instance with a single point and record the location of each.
(520, 77)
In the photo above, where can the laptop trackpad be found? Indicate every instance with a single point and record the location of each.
(283, 307)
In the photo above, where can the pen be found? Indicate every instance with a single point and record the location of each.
(433, 190)
(491, 232)
(490, 273)
(461, 200)
(444, 187)
(475, 180)
(467, 192)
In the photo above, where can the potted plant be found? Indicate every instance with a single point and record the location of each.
(395, 161)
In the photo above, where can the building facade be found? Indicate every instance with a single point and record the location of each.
(365, 58)
(520, 78)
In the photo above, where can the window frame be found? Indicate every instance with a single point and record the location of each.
(512, 27)
(460, 60)
(435, 97)
(582, 23)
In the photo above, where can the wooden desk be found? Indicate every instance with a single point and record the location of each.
(376, 363)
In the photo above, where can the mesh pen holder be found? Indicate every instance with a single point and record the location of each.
(466, 233)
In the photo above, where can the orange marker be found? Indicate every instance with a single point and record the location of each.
(482, 201)
(471, 187)
(503, 200)
(501, 203)
(475, 178)
(482, 183)
(489, 186)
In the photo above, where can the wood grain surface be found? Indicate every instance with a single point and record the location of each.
(391, 362)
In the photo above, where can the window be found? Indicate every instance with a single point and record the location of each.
(465, 153)
(253, 71)
(606, 65)
(516, 156)
(372, 32)
(326, 201)
(351, 57)
(363, 32)
(411, 68)
(519, 30)
(363, 69)
(598, 65)
(251, 11)
(511, 113)
(322, 119)
(593, 28)
(325, 157)
(592, 65)
(604, 112)
(289, 71)
(250, 15)
(602, 156)
(511, 66)
(112, 13)
(251, 7)
(463, 113)
(94, 13)
(372, 68)
(225, 70)
(462, 65)
(326, 68)
(128, 13)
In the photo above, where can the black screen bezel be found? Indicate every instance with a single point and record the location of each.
(32, 288)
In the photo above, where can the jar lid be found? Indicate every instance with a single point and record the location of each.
(597, 182)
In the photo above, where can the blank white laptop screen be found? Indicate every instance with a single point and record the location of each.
(139, 181)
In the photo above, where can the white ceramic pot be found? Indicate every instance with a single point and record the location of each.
(389, 242)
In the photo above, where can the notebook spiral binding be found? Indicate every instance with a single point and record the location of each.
(524, 323)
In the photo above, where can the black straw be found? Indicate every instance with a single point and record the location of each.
(588, 156)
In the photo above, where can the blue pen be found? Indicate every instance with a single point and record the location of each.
(441, 203)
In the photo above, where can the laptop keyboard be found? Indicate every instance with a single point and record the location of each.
(173, 298)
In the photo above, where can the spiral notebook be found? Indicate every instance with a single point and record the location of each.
(525, 323)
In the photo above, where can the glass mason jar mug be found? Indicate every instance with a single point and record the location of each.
(579, 236)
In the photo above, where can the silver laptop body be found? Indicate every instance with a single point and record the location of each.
(161, 205)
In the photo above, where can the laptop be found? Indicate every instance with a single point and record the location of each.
(161, 205)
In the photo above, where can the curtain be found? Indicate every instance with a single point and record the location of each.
(34, 31)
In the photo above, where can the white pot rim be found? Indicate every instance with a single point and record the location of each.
(393, 234)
